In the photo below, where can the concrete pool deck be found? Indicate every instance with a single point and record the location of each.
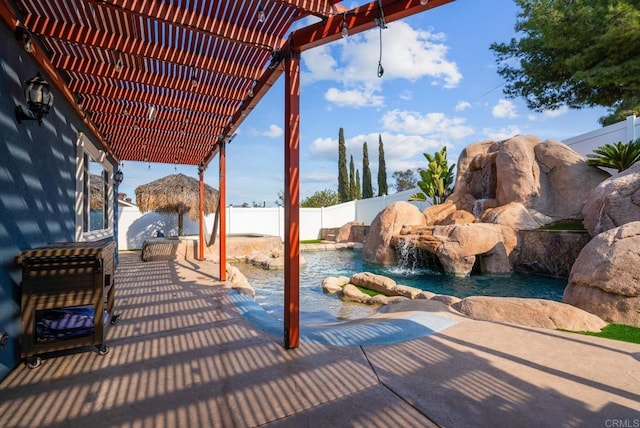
(182, 355)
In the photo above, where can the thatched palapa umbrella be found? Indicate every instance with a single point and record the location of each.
(176, 194)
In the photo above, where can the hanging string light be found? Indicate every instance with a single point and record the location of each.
(118, 66)
(251, 92)
(194, 79)
(261, 15)
(345, 26)
(381, 23)
(380, 68)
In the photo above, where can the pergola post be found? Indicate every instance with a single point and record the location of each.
(292, 200)
(222, 211)
(201, 215)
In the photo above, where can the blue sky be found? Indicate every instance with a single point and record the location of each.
(440, 87)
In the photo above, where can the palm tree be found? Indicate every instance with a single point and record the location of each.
(618, 156)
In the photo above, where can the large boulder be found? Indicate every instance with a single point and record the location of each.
(529, 312)
(614, 202)
(448, 213)
(458, 245)
(605, 279)
(540, 175)
(377, 283)
(513, 214)
(237, 281)
(388, 223)
(344, 234)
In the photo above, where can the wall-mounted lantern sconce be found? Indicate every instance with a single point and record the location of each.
(39, 97)
(118, 177)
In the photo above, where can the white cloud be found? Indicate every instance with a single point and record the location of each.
(406, 95)
(557, 112)
(319, 177)
(462, 106)
(502, 133)
(504, 109)
(407, 53)
(320, 65)
(274, 132)
(320, 147)
(437, 125)
(354, 97)
(398, 148)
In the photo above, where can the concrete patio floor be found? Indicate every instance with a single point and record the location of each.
(183, 356)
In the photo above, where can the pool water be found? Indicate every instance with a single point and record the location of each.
(316, 306)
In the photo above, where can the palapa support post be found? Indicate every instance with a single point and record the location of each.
(201, 215)
(292, 201)
(223, 210)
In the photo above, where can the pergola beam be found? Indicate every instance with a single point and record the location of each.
(90, 37)
(189, 20)
(322, 8)
(95, 69)
(358, 20)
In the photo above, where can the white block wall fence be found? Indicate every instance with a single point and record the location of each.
(134, 227)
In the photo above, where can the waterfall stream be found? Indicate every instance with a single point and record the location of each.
(479, 205)
(406, 253)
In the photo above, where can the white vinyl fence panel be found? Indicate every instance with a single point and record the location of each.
(624, 131)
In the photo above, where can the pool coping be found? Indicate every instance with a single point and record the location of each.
(379, 329)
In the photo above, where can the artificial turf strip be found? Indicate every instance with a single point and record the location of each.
(625, 333)
(367, 291)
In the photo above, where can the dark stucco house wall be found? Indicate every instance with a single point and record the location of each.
(37, 183)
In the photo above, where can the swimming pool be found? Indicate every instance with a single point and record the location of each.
(315, 306)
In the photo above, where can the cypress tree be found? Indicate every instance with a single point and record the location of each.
(367, 189)
(352, 181)
(382, 169)
(358, 191)
(343, 179)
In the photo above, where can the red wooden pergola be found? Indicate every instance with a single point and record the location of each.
(171, 81)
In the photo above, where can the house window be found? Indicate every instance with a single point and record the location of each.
(95, 196)
(94, 192)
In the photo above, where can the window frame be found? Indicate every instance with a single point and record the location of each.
(86, 149)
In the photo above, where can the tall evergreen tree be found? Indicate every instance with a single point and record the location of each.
(352, 181)
(343, 178)
(367, 189)
(358, 188)
(383, 189)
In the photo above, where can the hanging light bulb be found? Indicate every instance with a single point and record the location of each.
(118, 66)
(152, 112)
(345, 27)
(261, 15)
(194, 79)
(424, 2)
